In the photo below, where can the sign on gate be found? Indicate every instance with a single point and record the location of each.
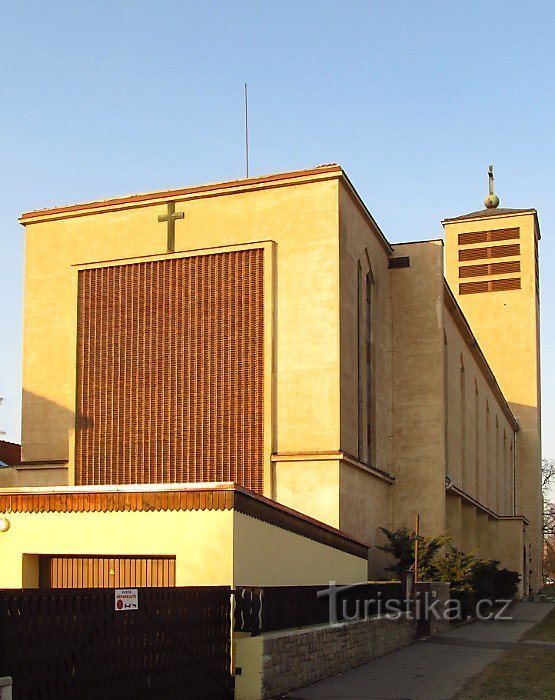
(158, 650)
(126, 599)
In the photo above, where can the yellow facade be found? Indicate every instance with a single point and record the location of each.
(364, 413)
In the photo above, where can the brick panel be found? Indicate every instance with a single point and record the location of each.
(170, 371)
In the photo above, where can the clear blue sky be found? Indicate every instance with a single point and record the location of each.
(414, 100)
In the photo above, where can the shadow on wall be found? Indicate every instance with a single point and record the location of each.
(46, 428)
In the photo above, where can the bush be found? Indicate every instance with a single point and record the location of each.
(402, 545)
(471, 578)
(455, 568)
(506, 583)
(479, 577)
(483, 579)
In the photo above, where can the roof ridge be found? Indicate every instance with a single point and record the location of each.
(489, 212)
(320, 170)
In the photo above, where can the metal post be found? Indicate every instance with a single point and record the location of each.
(416, 547)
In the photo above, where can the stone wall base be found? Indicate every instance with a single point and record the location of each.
(275, 663)
(295, 658)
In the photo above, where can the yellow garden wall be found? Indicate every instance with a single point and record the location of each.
(212, 547)
(269, 556)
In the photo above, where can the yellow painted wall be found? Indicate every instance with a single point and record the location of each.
(270, 556)
(366, 505)
(488, 470)
(211, 547)
(483, 544)
(311, 487)
(248, 656)
(469, 537)
(453, 519)
(202, 541)
(327, 486)
(418, 391)
(361, 245)
(510, 540)
(32, 476)
(301, 220)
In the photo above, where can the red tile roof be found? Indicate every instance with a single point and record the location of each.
(10, 452)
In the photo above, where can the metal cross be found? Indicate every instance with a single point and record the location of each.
(171, 217)
(491, 179)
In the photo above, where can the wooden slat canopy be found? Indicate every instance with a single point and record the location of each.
(181, 498)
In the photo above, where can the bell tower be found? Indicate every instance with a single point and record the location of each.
(492, 267)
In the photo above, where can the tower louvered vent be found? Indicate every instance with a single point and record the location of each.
(470, 251)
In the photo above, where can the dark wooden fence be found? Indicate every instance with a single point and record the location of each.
(60, 644)
(272, 608)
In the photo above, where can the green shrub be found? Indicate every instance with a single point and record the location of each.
(401, 545)
(506, 583)
(471, 578)
(455, 568)
(483, 579)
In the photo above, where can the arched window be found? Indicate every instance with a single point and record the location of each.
(505, 480)
(497, 471)
(512, 500)
(477, 437)
(488, 457)
(366, 363)
(446, 398)
(463, 426)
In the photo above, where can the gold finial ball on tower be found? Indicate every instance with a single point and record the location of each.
(491, 201)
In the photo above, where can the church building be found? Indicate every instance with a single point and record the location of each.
(240, 383)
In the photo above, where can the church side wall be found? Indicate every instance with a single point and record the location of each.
(480, 438)
(360, 246)
(418, 398)
(365, 497)
(365, 506)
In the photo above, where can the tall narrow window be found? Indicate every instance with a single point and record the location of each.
(370, 408)
(497, 478)
(505, 472)
(361, 355)
(446, 398)
(463, 427)
(512, 500)
(477, 437)
(366, 391)
(488, 459)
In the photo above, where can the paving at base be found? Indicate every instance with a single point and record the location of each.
(436, 668)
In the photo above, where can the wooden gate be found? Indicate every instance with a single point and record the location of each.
(106, 572)
(59, 644)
